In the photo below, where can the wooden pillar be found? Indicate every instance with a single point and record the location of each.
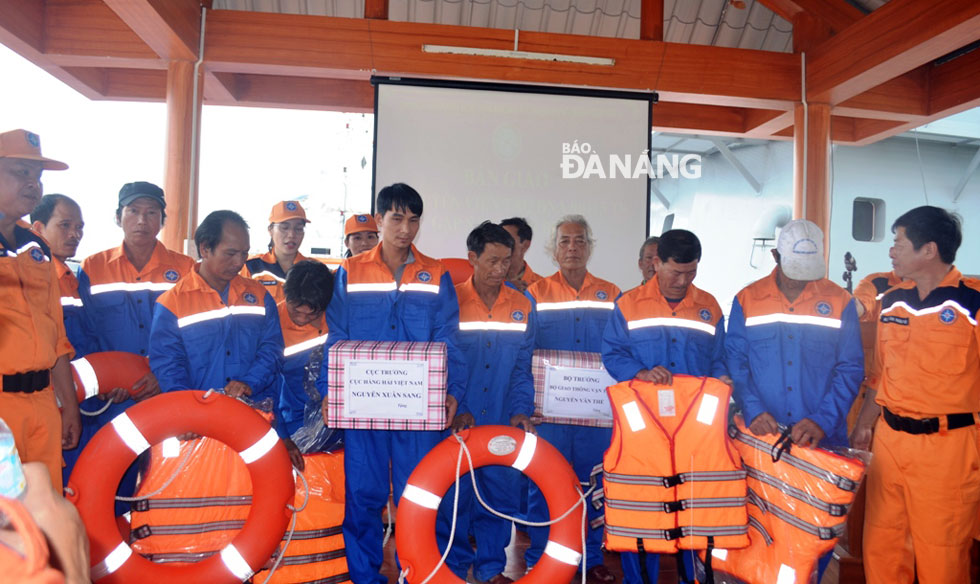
(811, 157)
(182, 155)
(652, 20)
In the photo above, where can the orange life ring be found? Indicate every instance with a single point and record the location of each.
(500, 445)
(113, 448)
(102, 372)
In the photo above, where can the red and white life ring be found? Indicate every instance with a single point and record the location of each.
(113, 448)
(500, 445)
(102, 372)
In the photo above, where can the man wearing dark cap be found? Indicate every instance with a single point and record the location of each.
(119, 288)
(34, 350)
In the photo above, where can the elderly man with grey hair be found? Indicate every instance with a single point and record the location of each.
(572, 309)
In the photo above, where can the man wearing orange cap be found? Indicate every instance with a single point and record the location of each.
(360, 234)
(287, 227)
(34, 349)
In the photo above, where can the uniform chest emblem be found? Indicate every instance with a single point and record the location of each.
(171, 275)
(705, 314)
(37, 255)
(601, 295)
(291, 206)
(424, 276)
(517, 315)
(249, 297)
(947, 316)
(823, 308)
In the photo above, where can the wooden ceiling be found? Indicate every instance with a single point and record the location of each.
(903, 65)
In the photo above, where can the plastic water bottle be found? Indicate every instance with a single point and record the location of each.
(12, 481)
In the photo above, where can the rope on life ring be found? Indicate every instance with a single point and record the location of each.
(102, 372)
(500, 445)
(113, 448)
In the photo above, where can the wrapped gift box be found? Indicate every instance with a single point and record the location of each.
(570, 388)
(385, 385)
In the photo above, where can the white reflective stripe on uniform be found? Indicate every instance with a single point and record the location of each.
(492, 326)
(219, 313)
(563, 554)
(129, 433)
(112, 562)
(71, 301)
(678, 322)
(380, 287)
(28, 246)
(416, 287)
(260, 448)
(526, 454)
(786, 575)
(792, 319)
(421, 497)
(576, 304)
(633, 416)
(235, 563)
(131, 287)
(932, 309)
(307, 344)
(86, 374)
(258, 275)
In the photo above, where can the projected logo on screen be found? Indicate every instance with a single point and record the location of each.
(579, 160)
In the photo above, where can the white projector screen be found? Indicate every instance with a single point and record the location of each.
(476, 154)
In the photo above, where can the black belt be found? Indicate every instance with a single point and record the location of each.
(926, 425)
(28, 382)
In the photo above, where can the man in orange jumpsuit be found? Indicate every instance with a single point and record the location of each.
(34, 350)
(924, 481)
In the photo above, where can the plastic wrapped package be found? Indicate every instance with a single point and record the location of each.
(315, 550)
(193, 498)
(798, 504)
(314, 435)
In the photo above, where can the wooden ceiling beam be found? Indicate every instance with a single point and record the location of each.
(304, 93)
(219, 88)
(889, 42)
(376, 9)
(88, 28)
(171, 28)
(764, 123)
(651, 20)
(687, 118)
(284, 44)
(837, 14)
(905, 97)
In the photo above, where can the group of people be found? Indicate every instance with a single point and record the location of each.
(791, 351)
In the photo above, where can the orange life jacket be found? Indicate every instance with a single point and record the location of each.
(316, 550)
(798, 503)
(672, 479)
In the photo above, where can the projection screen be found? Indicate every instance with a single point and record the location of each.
(478, 152)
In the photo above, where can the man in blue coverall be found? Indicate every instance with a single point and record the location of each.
(390, 293)
(497, 337)
(572, 310)
(794, 346)
(663, 327)
(216, 329)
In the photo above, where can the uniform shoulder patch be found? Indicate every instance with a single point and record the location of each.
(171, 275)
(424, 276)
(37, 255)
(601, 294)
(250, 298)
(947, 315)
(704, 314)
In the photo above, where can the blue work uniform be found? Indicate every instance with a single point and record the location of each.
(299, 342)
(372, 304)
(644, 332)
(572, 320)
(497, 343)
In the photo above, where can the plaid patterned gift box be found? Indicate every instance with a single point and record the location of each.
(544, 358)
(345, 351)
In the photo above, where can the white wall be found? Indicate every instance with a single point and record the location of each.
(722, 209)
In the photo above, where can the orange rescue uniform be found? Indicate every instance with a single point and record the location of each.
(32, 340)
(869, 292)
(265, 268)
(924, 484)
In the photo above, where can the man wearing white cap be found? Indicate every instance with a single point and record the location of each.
(794, 345)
